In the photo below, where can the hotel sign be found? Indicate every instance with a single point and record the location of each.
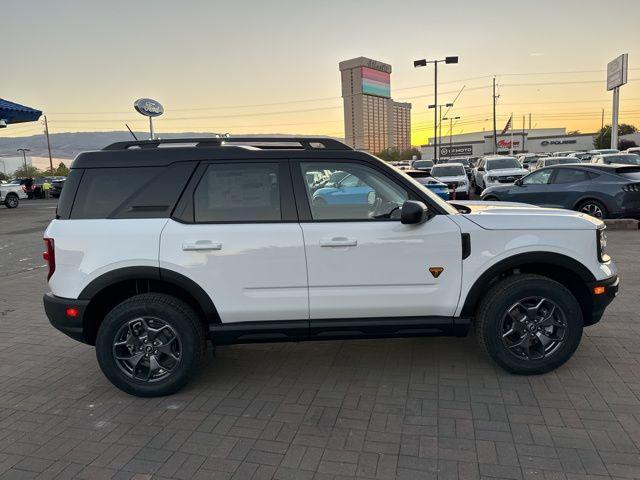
(383, 67)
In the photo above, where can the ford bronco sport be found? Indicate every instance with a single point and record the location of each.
(161, 245)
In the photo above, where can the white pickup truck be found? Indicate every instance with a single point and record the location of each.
(11, 193)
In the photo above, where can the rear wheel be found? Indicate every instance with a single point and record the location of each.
(11, 200)
(594, 208)
(150, 345)
(529, 324)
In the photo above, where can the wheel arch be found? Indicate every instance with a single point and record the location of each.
(561, 268)
(112, 288)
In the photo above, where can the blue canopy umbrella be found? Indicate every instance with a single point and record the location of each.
(15, 113)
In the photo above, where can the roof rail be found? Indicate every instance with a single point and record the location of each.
(306, 143)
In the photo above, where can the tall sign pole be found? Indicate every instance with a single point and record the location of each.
(616, 77)
(149, 108)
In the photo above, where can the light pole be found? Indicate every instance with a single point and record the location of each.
(24, 157)
(451, 119)
(423, 63)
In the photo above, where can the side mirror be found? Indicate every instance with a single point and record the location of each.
(518, 182)
(413, 212)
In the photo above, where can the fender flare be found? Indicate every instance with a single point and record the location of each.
(152, 273)
(558, 259)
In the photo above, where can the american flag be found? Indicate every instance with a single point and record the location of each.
(507, 126)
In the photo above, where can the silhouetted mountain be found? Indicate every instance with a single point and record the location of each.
(68, 145)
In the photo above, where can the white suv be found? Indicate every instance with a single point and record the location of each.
(496, 169)
(156, 250)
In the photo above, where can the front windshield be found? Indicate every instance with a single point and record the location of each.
(624, 159)
(501, 163)
(463, 161)
(422, 164)
(447, 171)
(432, 196)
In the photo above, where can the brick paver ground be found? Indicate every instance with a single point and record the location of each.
(384, 409)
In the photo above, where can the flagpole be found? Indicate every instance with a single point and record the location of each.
(511, 120)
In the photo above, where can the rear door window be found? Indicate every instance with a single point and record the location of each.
(238, 192)
(570, 175)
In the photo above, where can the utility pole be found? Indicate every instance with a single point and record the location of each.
(602, 120)
(24, 157)
(46, 131)
(495, 132)
(522, 150)
(529, 121)
(451, 119)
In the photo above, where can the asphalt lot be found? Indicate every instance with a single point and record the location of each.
(385, 409)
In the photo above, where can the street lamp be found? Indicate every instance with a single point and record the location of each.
(423, 63)
(451, 119)
(24, 157)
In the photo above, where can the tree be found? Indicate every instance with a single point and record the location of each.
(393, 154)
(61, 171)
(29, 172)
(602, 139)
(4, 176)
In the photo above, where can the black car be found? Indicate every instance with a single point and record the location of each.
(602, 191)
(56, 187)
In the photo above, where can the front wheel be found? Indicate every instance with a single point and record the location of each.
(11, 200)
(150, 345)
(529, 324)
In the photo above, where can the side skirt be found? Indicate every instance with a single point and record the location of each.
(336, 329)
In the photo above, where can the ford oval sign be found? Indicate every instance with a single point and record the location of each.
(148, 107)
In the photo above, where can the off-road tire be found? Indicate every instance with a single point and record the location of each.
(511, 290)
(174, 312)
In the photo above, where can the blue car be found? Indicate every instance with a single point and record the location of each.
(349, 190)
(431, 183)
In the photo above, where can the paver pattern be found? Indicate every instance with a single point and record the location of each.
(384, 409)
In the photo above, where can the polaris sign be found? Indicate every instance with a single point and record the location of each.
(148, 107)
(456, 151)
(544, 143)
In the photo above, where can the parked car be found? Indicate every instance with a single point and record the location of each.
(425, 165)
(603, 151)
(56, 187)
(602, 191)
(230, 248)
(619, 158)
(634, 150)
(494, 169)
(11, 193)
(426, 180)
(454, 175)
(581, 156)
(464, 161)
(563, 153)
(528, 160)
(548, 161)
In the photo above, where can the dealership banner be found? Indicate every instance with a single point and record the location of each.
(456, 151)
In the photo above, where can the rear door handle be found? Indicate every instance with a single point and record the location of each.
(338, 242)
(200, 245)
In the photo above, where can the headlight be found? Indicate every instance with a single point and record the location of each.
(492, 179)
(602, 245)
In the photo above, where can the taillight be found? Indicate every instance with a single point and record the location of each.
(50, 256)
(631, 187)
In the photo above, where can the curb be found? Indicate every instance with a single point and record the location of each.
(622, 224)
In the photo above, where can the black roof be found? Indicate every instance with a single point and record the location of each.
(149, 153)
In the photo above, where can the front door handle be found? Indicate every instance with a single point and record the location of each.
(338, 242)
(200, 245)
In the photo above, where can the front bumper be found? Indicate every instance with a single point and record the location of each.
(599, 302)
(56, 310)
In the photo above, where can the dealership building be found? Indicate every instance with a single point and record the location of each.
(372, 120)
(539, 140)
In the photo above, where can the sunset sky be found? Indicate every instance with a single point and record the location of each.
(272, 67)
